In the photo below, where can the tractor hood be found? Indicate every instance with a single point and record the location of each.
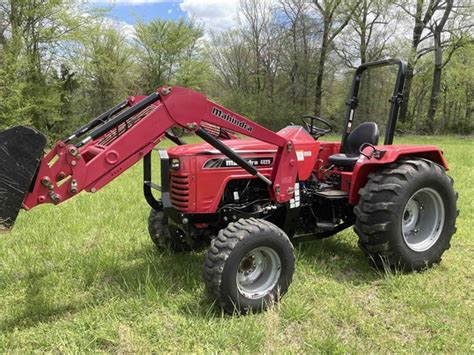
(237, 145)
(306, 151)
(297, 134)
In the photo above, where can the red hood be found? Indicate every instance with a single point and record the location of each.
(238, 145)
(297, 134)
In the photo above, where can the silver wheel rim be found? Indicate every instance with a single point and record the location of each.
(258, 272)
(423, 219)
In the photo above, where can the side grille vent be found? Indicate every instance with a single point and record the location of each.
(179, 191)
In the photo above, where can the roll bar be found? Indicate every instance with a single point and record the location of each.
(395, 100)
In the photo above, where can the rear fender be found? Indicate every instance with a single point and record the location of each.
(365, 166)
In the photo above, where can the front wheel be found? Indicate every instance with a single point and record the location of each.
(406, 215)
(168, 237)
(249, 266)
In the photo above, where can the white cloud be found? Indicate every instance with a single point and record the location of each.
(214, 14)
(125, 29)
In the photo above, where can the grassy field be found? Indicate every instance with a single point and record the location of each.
(84, 276)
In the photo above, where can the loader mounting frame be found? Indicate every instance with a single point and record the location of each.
(100, 151)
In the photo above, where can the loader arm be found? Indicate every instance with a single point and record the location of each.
(106, 147)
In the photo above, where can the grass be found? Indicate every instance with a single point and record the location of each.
(84, 276)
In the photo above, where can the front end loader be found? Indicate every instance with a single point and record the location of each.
(249, 200)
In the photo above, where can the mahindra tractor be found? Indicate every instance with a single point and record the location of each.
(246, 192)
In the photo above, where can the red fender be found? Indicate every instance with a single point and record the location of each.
(393, 153)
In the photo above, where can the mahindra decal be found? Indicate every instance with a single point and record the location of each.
(231, 119)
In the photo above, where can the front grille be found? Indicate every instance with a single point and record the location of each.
(179, 191)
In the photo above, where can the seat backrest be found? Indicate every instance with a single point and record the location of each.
(367, 132)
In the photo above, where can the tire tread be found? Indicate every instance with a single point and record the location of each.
(223, 245)
(375, 211)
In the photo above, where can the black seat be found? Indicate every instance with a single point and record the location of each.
(367, 132)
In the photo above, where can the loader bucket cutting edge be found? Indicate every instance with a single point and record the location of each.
(21, 151)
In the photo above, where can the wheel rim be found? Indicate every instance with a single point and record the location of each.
(258, 272)
(423, 219)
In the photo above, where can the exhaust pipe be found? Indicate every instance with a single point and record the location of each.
(21, 151)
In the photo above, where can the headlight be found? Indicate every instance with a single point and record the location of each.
(174, 164)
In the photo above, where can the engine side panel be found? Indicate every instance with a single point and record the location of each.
(204, 172)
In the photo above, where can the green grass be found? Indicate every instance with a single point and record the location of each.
(84, 276)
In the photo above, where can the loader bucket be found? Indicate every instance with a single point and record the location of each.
(21, 151)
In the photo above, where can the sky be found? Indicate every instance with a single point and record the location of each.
(213, 14)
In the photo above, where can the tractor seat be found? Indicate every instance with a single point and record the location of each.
(367, 132)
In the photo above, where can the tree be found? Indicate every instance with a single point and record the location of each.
(61, 63)
(335, 15)
(13, 108)
(107, 66)
(260, 32)
(421, 15)
(169, 53)
(455, 41)
(437, 29)
(298, 51)
(458, 91)
(366, 37)
(231, 61)
(31, 35)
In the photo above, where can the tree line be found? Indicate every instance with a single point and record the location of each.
(64, 62)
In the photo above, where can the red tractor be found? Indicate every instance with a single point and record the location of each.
(250, 199)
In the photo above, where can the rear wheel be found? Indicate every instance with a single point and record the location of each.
(168, 237)
(406, 215)
(249, 266)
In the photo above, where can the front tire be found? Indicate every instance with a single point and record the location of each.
(249, 266)
(167, 237)
(406, 215)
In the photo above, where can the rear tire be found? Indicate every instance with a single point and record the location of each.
(249, 266)
(166, 237)
(406, 215)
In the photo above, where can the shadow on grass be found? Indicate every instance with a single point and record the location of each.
(170, 276)
(150, 275)
(38, 307)
(164, 278)
(143, 274)
(338, 259)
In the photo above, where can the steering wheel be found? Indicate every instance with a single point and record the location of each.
(313, 130)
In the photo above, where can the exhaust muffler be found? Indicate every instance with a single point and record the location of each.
(21, 151)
